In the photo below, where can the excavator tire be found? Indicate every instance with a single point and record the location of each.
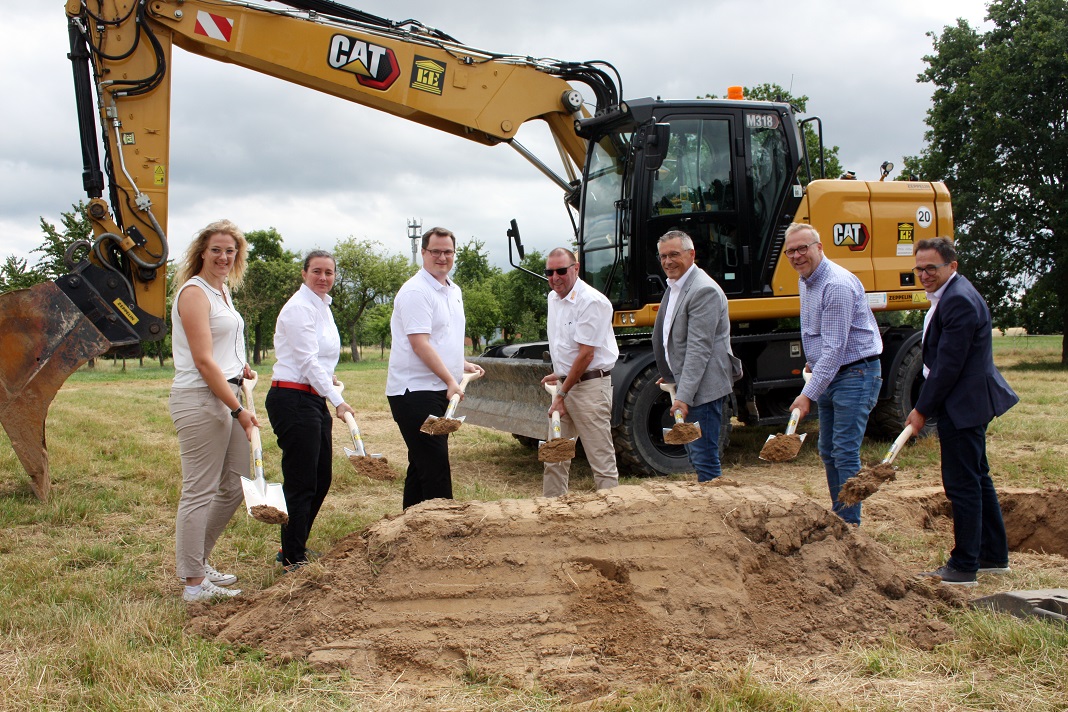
(888, 418)
(639, 438)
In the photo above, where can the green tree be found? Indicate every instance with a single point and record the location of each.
(377, 325)
(76, 226)
(16, 274)
(522, 297)
(367, 275)
(776, 93)
(273, 275)
(998, 137)
(482, 307)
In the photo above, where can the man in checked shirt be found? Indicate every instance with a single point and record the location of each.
(842, 346)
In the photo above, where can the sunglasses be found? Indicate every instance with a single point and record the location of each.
(559, 271)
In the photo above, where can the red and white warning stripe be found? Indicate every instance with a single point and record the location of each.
(216, 27)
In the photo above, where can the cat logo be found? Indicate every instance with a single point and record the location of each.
(852, 235)
(375, 67)
(428, 75)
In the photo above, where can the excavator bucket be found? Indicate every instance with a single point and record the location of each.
(44, 338)
(510, 396)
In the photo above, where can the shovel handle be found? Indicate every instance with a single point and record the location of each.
(896, 446)
(257, 454)
(669, 388)
(354, 431)
(455, 400)
(795, 417)
(555, 425)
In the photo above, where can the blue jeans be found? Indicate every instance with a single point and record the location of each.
(704, 451)
(843, 411)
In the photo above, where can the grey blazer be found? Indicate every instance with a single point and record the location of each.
(703, 367)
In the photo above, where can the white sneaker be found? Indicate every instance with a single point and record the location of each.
(219, 579)
(208, 592)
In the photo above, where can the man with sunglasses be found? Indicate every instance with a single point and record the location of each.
(692, 345)
(426, 363)
(965, 392)
(842, 344)
(583, 350)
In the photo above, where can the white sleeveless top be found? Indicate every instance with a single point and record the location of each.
(227, 337)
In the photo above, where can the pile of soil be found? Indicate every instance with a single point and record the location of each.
(866, 483)
(588, 592)
(375, 468)
(268, 515)
(682, 433)
(556, 450)
(781, 448)
(441, 426)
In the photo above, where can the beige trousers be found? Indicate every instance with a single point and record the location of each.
(589, 415)
(215, 454)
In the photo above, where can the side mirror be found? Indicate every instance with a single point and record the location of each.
(656, 145)
(513, 235)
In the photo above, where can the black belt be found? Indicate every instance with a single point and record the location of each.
(236, 380)
(595, 373)
(858, 362)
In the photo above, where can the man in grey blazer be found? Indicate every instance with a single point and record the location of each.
(692, 345)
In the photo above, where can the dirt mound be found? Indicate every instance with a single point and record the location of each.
(586, 592)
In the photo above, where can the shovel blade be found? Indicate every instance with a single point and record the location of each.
(255, 492)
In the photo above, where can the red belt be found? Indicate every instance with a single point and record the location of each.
(295, 386)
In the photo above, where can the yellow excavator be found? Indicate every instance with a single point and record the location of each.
(726, 171)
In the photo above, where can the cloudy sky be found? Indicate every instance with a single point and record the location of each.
(268, 154)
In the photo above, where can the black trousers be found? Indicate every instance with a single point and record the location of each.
(429, 475)
(978, 528)
(303, 426)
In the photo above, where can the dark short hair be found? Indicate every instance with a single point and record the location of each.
(318, 253)
(942, 245)
(440, 232)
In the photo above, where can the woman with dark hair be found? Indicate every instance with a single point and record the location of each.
(213, 429)
(307, 347)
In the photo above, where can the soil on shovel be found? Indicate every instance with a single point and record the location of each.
(682, 433)
(866, 483)
(556, 450)
(588, 592)
(268, 515)
(781, 448)
(441, 426)
(376, 468)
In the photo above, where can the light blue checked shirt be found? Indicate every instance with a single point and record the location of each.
(837, 326)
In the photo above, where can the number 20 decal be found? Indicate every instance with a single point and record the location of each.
(924, 217)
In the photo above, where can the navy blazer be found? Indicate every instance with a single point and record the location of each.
(963, 383)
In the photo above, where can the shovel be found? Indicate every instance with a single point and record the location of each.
(433, 425)
(867, 482)
(265, 501)
(681, 432)
(781, 448)
(557, 448)
(375, 467)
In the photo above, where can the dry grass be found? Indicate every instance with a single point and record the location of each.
(90, 615)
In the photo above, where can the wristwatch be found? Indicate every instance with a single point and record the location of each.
(562, 394)
(235, 413)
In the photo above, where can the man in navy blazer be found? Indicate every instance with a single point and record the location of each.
(964, 391)
(692, 345)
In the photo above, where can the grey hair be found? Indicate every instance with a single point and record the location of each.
(797, 227)
(687, 241)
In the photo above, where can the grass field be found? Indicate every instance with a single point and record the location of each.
(91, 616)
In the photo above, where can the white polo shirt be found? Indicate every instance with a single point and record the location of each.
(584, 316)
(425, 306)
(307, 343)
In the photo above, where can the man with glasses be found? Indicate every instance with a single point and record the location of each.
(583, 350)
(692, 345)
(426, 363)
(842, 346)
(965, 392)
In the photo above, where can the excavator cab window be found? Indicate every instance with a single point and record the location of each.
(695, 190)
(605, 224)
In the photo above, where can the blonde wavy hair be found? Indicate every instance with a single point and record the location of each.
(193, 261)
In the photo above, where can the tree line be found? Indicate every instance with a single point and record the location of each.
(499, 306)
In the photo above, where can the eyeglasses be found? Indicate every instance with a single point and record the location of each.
(559, 271)
(441, 253)
(800, 251)
(929, 270)
(670, 255)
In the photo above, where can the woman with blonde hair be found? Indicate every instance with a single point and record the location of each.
(208, 341)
